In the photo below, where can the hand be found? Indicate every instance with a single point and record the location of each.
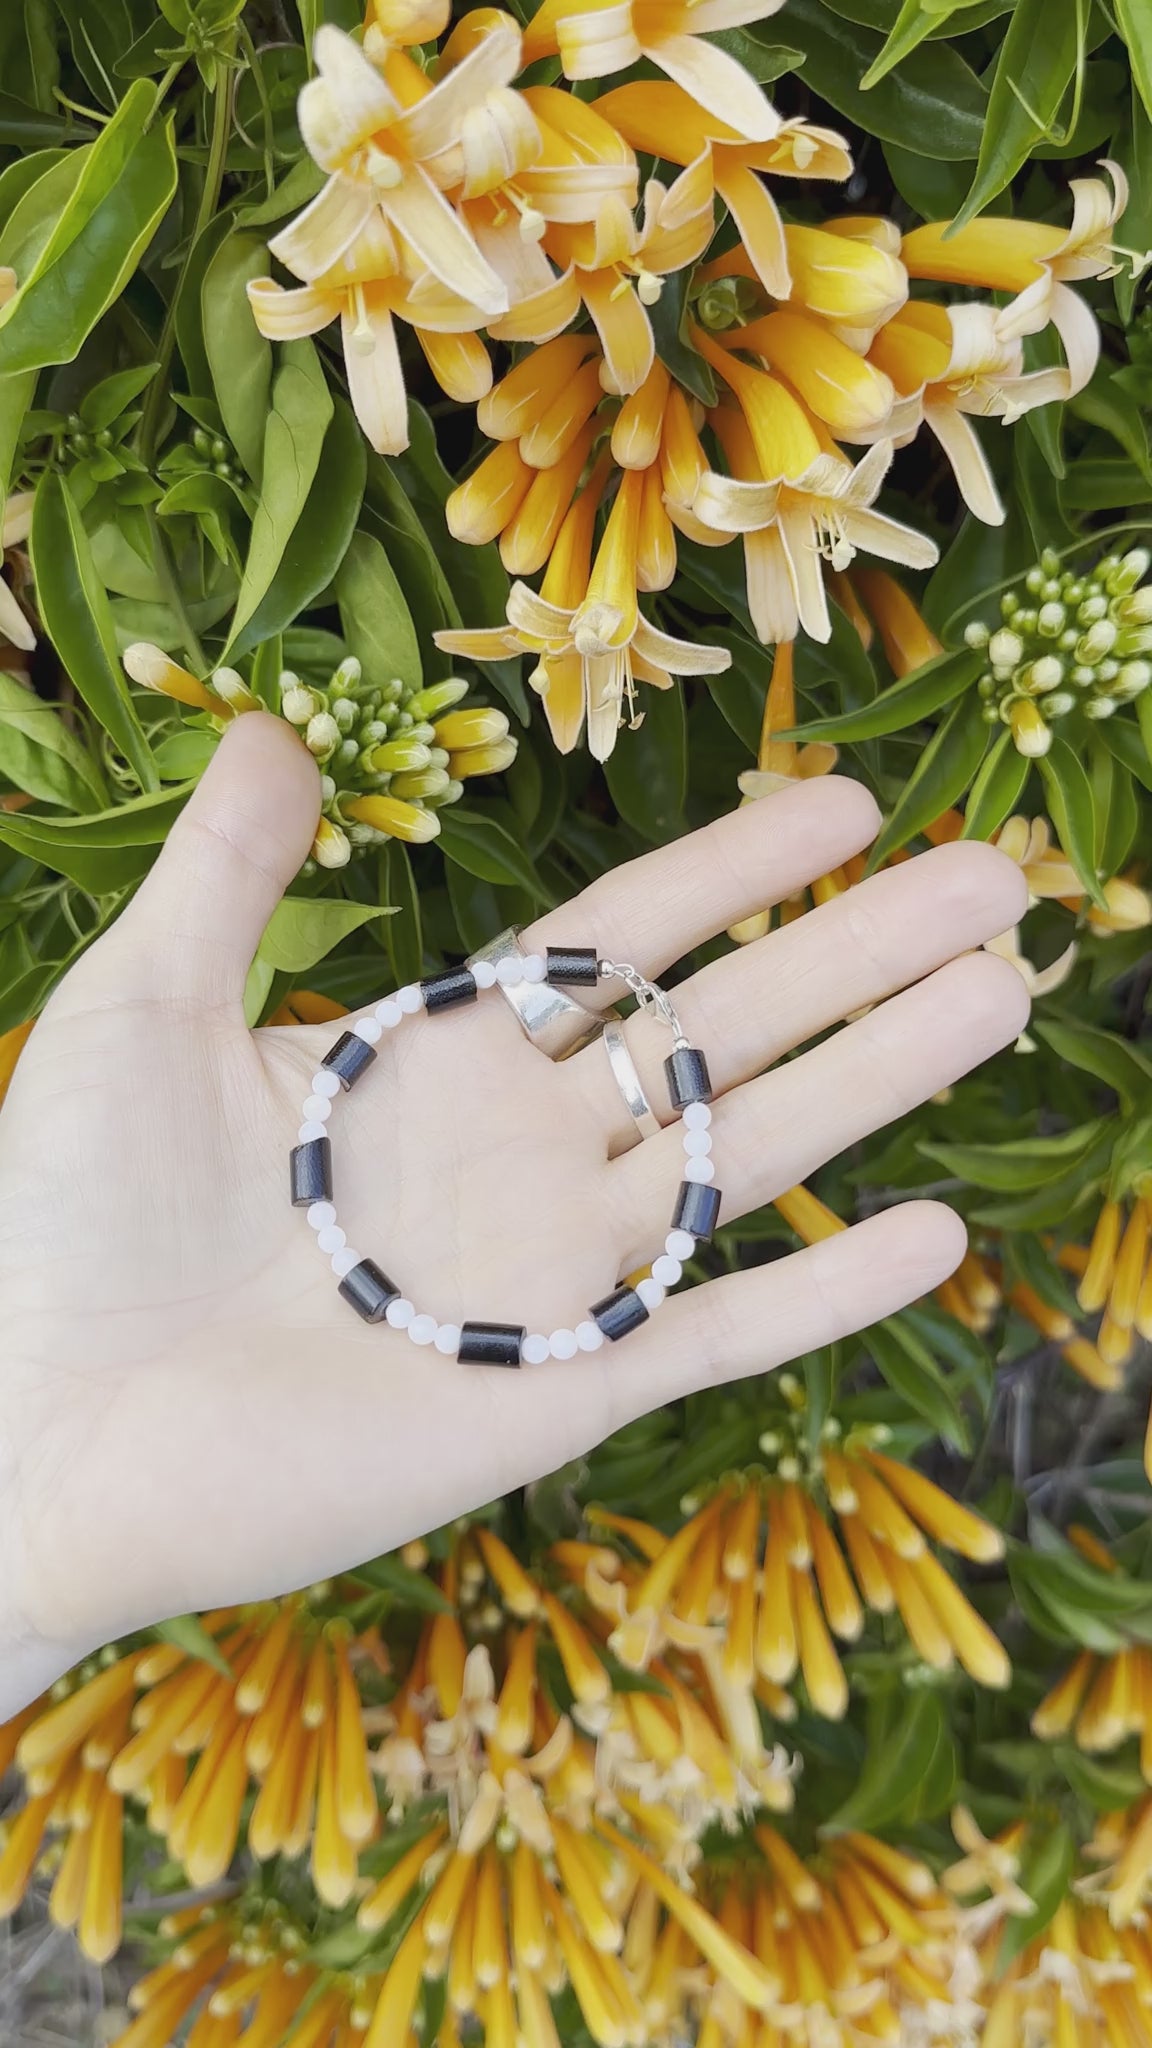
(189, 1414)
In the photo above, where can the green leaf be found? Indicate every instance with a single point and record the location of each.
(403, 935)
(123, 192)
(40, 756)
(1134, 21)
(1112, 1060)
(1072, 812)
(486, 849)
(669, 319)
(77, 618)
(647, 770)
(901, 1749)
(188, 1633)
(16, 395)
(1117, 818)
(319, 539)
(411, 1589)
(914, 22)
(939, 779)
(293, 437)
(303, 930)
(375, 616)
(104, 850)
(934, 104)
(926, 690)
(996, 790)
(911, 1371)
(239, 357)
(183, 756)
(1019, 1163)
(298, 185)
(1036, 62)
(105, 402)
(1045, 1875)
(1132, 148)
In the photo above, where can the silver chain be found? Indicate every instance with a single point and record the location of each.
(647, 994)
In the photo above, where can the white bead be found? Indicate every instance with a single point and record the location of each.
(697, 1144)
(533, 967)
(589, 1335)
(317, 1109)
(535, 1350)
(422, 1329)
(697, 1116)
(483, 974)
(510, 970)
(331, 1238)
(666, 1270)
(447, 1339)
(309, 1132)
(324, 1083)
(699, 1169)
(389, 1014)
(562, 1344)
(321, 1213)
(369, 1029)
(410, 998)
(399, 1313)
(680, 1244)
(343, 1262)
(650, 1291)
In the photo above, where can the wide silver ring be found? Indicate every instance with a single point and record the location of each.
(645, 1123)
(554, 1021)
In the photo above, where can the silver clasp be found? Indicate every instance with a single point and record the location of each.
(648, 995)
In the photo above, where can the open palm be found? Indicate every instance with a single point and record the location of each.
(189, 1414)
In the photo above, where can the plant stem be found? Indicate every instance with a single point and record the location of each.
(252, 56)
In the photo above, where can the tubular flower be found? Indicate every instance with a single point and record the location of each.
(906, 637)
(1122, 1845)
(795, 505)
(592, 641)
(953, 361)
(1100, 1702)
(1033, 260)
(15, 526)
(593, 40)
(838, 386)
(1117, 1278)
(1081, 1981)
(663, 120)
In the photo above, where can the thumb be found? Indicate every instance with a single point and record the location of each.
(194, 924)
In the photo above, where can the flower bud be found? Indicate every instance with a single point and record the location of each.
(322, 735)
(1049, 561)
(1050, 620)
(1034, 581)
(331, 847)
(398, 756)
(1045, 674)
(1099, 707)
(1134, 640)
(327, 789)
(390, 815)
(349, 752)
(154, 670)
(234, 690)
(346, 676)
(297, 702)
(372, 733)
(1059, 704)
(421, 730)
(475, 728)
(1134, 677)
(976, 633)
(1135, 610)
(438, 697)
(1130, 571)
(1098, 641)
(1005, 649)
(1029, 730)
(1093, 608)
(1083, 677)
(345, 712)
(490, 760)
(428, 782)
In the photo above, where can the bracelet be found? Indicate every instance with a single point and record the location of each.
(368, 1289)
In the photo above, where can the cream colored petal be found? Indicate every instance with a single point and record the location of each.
(771, 595)
(595, 44)
(729, 506)
(1079, 333)
(435, 121)
(442, 241)
(756, 215)
(890, 539)
(345, 103)
(717, 81)
(979, 345)
(624, 328)
(807, 573)
(962, 446)
(659, 678)
(376, 383)
(686, 522)
(534, 616)
(561, 684)
(429, 303)
(542, 316)
(17, 521)
(288, 315)
(573, 193)
(684, 200)
(707, 16)
(679, 657)
(14, 626)
(460, 364)
(521, 265)
(863, 484)
(320, 235)
(498, 140)
(605, 678)
(1095, 211)
(486, 643)
(1045, 979)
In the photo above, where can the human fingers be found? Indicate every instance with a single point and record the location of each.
(653, 910)
(761, 1001)
(775, 1131)
(192, 929)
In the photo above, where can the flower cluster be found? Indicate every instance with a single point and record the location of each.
(1070, 642)
(389, 756)
(1117, 1276)
(458, 199)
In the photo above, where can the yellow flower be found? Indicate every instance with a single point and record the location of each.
(665, 121)
(593, 38)
(907, 639)
(586, 626)
(947, 362)
(15, 526)
(12, 1044)
(152, 669)
(839, 386)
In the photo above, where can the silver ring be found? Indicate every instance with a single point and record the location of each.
(554, 1021)
(628, 1082)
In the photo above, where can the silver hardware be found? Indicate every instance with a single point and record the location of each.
(552, 1019)
(648, 995)
(644, 1122)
